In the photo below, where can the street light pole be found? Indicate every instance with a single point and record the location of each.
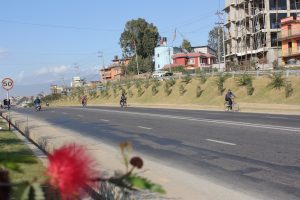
(102, 56)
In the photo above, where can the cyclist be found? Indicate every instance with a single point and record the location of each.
(228, 97)
(123, 99)
(84, 101)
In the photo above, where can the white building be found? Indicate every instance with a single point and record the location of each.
(77, 82)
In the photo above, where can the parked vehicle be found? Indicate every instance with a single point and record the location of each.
(158, 74)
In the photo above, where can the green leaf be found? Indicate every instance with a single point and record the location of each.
(145, 184)
(13, 166)
(33, 192)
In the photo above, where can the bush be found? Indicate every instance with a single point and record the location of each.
(186, 79)
(288, 89)
(140, 91)
(181, 90)
(147, 83)
(167, 89)
(171, 82)
(203, 77)
(245, 80)
(277, 81)
(199, 91)
(250, 89)
(92, 94)
(130, 94)
(154, 90)
(104, 93)
(128, 85)
(137, 83)
(220, 83)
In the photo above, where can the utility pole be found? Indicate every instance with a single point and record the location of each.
(220, 23)
(101, 55)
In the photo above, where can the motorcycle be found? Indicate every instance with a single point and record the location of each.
(38, 107)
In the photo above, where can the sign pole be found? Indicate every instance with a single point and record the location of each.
(8, 107)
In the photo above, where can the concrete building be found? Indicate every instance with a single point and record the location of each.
(252, 30)
(115, 70)
(194, 60)
(163, 54)
(55, 89)
(205, 50)
(77, 82)
(290, 38)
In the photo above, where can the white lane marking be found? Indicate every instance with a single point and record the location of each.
(144, 127)
(104, 120)
(52, 111)
(64, 113)
(283, 128)
(79, 116)
(277, 117)
(220, 142)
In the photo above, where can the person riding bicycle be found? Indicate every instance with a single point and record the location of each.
(84, 100)
(123, 98)
(228, 97)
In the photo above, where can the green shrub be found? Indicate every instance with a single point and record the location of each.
(220, 83)
(167, 89)
(288, 89)
(140, 92)
(171, 82)
(203, 77)
(154, 90)
(250, 89)
(92, 93)
(130, 94)
(277, 81)
(156, 82)
(186, 79)
(181, 90)
(245, 80)
(128, 85)
(137, 83)
(199, 91)
(104, 93)
(146, 83)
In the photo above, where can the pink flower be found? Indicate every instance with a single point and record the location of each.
(70, 169)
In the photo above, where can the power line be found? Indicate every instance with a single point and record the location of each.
(58, 26)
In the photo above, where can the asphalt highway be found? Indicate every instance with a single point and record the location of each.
(246, 151)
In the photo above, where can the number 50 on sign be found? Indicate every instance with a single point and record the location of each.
(7, 83)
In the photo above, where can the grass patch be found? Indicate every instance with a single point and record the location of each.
(13, 150)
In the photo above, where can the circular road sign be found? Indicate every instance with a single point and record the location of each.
(7, 84)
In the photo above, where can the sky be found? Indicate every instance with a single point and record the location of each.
(48, 42)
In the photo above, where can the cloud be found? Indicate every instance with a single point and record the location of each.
(52, 70)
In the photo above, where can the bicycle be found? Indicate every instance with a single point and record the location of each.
(235, 106)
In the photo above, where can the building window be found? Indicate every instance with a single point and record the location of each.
(274, 40)
(158, 55)
(278, 4)
(191, 61)
(275, 19)
(295, 4)
(158, 66)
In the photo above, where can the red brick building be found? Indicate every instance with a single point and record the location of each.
(194, 60)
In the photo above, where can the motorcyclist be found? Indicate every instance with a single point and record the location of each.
(123, 98)
(37, 103)
(228, 97)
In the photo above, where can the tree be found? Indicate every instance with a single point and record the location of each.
(145, 65)
(186, 45)
(139, 37)
(213, 39)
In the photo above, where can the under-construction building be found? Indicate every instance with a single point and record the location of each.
(252, 30)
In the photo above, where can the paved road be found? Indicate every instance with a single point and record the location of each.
(250, 152)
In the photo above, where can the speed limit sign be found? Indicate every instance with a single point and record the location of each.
(7, 84)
